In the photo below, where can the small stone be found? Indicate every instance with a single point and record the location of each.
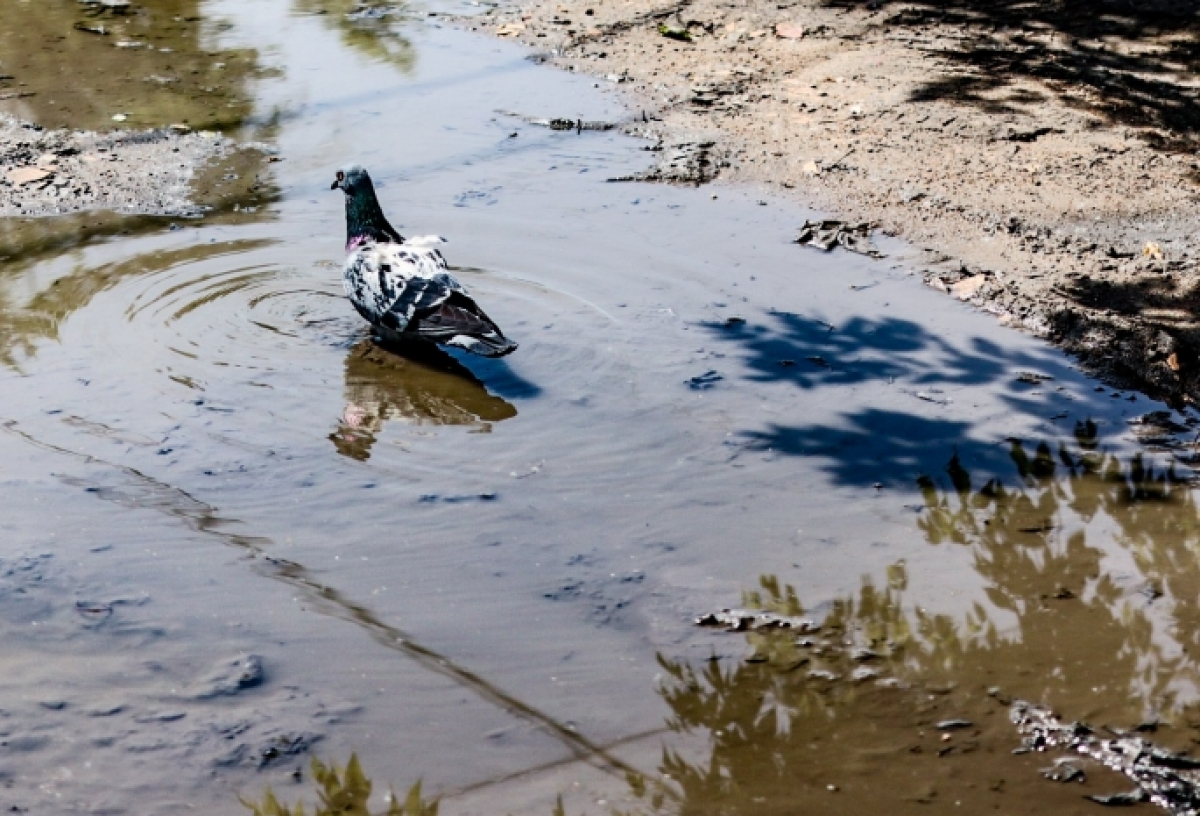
(120, 117)
(967, 288)
(232, 677)
(789, 31)
(953, 725)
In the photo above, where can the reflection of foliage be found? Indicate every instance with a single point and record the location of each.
(1056, 627)
(344, 793)
(78, 79)
(38, 319)
(1030, 547)
(772, 719)
(369, 26)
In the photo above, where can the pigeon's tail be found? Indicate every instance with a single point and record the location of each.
(459, 322)
(492, 344)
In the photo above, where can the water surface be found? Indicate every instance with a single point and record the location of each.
(484, 574)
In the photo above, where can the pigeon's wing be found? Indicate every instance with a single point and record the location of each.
(406, 288)
(390, 283)
(458, 321)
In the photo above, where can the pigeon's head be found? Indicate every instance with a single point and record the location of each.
(353, 179)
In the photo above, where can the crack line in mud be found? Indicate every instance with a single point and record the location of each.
(474, 787)
(203, 518)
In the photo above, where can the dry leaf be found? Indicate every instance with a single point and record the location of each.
(810, 168)
(26, 175)
(1173, 362)
(1153, 251)
(510, 29)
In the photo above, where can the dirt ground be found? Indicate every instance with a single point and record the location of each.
(59, 171)
(1040, 157)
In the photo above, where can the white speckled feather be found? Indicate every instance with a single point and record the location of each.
(388, 282)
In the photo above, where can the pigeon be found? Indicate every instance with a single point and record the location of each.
(402, 286)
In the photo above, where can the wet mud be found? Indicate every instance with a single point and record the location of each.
(238, 535)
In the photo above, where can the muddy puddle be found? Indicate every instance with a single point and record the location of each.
(236, 536)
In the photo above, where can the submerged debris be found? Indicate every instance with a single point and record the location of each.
(561, 123)
(702, 382)
(742, 620)
(828, 234)
(1169, 780)
(231, 677)
(686, 162)
(953, 725)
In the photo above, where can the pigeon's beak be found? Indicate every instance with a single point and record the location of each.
(335, 184)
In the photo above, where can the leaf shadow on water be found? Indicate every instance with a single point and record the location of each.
(812, 353)
(1115, 59)
(898, 709)
(874, 444)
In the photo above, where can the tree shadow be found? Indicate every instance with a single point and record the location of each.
(1116, 59)
(878, 446)
(812, 352)
(882, 444)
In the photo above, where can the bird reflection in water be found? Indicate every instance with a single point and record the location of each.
(423, 387)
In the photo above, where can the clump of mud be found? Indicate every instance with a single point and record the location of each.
(1169, 779)
(150, 172)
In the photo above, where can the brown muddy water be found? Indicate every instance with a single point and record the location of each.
(236, 535)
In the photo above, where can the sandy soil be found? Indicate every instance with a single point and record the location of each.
(1040, 158)
(138, 172)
